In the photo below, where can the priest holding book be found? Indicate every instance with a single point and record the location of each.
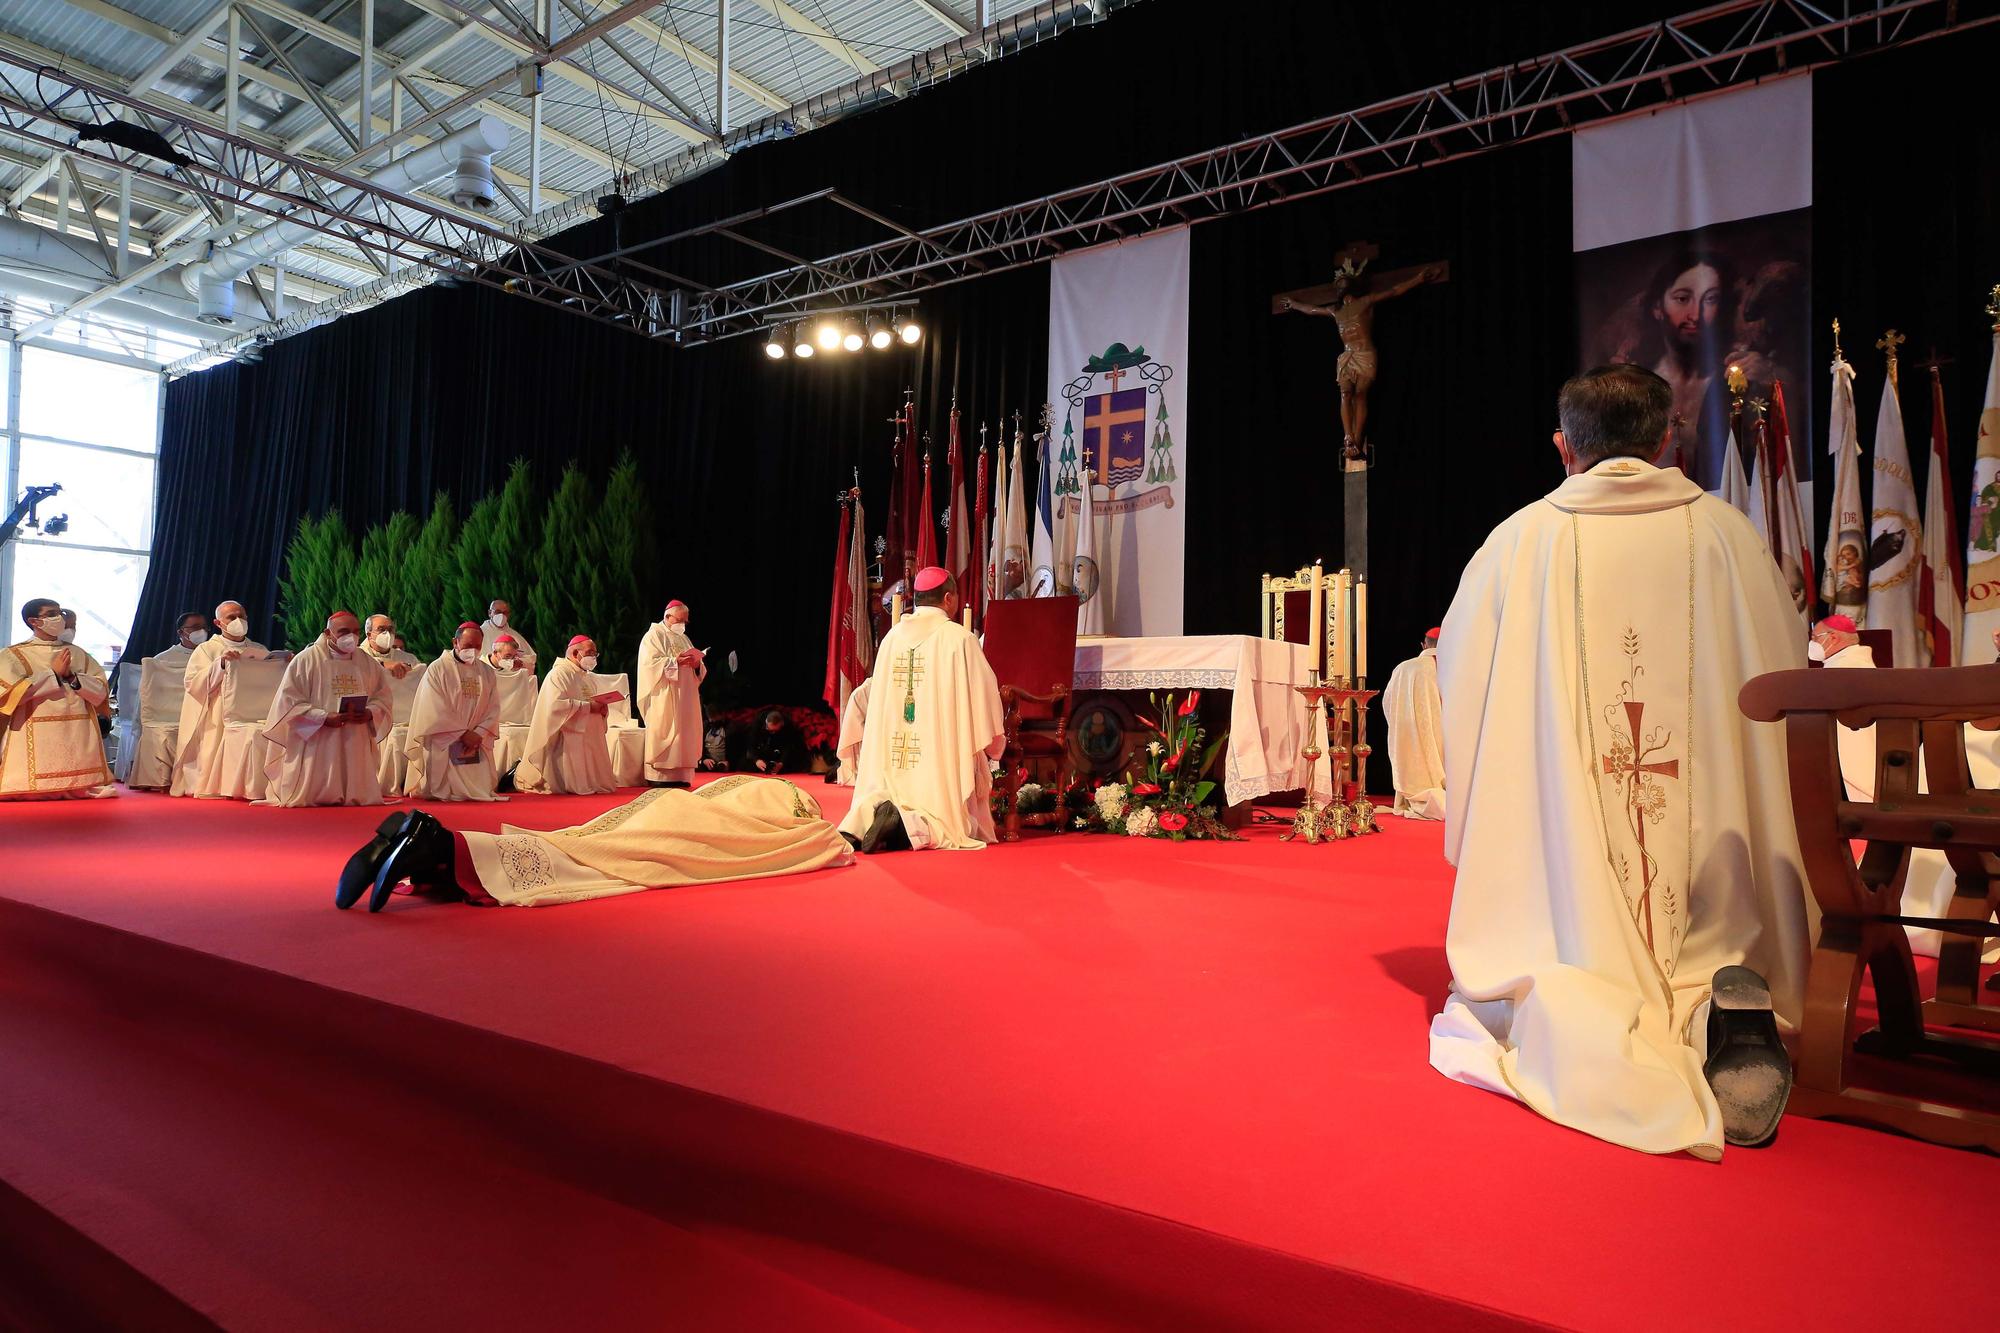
(566, 750)
(453, 725)
(331, 708)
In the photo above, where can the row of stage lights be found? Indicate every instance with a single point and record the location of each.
(841, 333)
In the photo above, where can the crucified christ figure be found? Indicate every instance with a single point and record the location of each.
(1353, 314)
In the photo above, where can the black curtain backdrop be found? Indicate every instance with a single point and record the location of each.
(443, 388)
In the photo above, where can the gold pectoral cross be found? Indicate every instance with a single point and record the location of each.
(909, 672)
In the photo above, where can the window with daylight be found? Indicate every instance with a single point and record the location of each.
(92, 427)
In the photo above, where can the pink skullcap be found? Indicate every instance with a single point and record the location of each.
(1434, 632)
(343, 613)
(677, 605)
(467, 624)
(499, 639)
(1844, 624)
(931, 576)
(581, 638)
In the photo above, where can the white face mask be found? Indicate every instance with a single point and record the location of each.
(237, 628)
(468, 654)
(587, 663)
(1815, 653)
(197, 637)
(344, 643)
(384, 640)
(50, 625)
(504, 664)
(500, 619)
(66, 635)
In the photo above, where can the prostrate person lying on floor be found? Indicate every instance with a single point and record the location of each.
(924, 778)
(738, 827)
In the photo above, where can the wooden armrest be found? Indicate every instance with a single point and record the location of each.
(1012, 694)
(1860, 698)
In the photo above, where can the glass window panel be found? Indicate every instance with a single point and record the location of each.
(108, 497)
(101, 587)
(77, 398)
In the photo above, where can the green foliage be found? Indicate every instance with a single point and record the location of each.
(565, 596)
(319, 570)
(426, 609)
(381, 572)
(623, 548)
(495, 548)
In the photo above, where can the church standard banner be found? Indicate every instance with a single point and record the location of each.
(1118, 389)
(1693, 238)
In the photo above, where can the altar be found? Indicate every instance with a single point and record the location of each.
(1262, 712)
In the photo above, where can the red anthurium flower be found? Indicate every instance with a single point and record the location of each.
(1173, 821)
(1145, 789)
(1172, 764)
(1192, 702)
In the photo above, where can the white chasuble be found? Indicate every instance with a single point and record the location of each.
(566, 749)
(209, 681)
(310, 763)
(1620, 829)
(454, 698)
(933, 724)
(50, 745)
(670, 704)
(1416, 737)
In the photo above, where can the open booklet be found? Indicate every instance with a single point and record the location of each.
(354, 705)
(462, 754)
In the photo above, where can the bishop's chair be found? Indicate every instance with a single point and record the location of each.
(1031, 646)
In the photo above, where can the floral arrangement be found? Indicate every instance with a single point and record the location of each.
(1169, 798)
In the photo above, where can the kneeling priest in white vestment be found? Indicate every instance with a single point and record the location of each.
(924, 776)
(453, 725)
(1623, 834)
(1416, 739)
(566, 750)
(209, 680)
(51, 695)
(332, 707)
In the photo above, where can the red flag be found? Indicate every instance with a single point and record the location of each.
(916, 510)
(1791, 515)
(1941, 575)
(895, 530)
(927, 531)
(982, 517)
(959, 557)
(838, 631)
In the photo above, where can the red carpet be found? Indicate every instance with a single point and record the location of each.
(1078, 1081)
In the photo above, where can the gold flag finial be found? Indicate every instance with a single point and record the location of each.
(1993, 306)
(1888, 343)
(1838, 355)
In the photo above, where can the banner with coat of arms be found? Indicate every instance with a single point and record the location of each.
(1118, 393)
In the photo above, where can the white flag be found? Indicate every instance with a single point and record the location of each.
(1844, 584)
(1085, 576)
(1046, 572)
(997, 586)
(1982, 530)
(1895, 539)
(1018, 569)
(1770, 515)
(1734, 489)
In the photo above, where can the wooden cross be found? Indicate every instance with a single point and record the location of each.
(1353, 259)
(904, 750)
(1629, 770)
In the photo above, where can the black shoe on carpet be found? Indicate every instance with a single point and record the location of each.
(362, 867)
(422, 855)
(885, 832)
(1747, 1068)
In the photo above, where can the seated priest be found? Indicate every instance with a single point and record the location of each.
(924, 777)
(51, 697)
(453, 725)
(386, 646)
(1416, 744)
(669, 689)
(331, 708)
(1629, 921)
(566, 750)
(738, 827)
(500, 616)
(190, 632)
(503, 653)
(204, 711)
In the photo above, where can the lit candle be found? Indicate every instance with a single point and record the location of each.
(1343, 592)
(895, 607)
(1361, 628)
(965, 617)
(1318, 636)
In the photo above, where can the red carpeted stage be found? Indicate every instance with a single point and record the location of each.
(1082, 1081)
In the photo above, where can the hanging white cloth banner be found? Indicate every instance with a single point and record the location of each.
(1118, 321)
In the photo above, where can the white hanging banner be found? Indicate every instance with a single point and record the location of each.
(1118, 336)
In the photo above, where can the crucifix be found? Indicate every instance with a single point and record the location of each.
(1349, 301)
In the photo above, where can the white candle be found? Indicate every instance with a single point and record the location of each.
(895, 607)
(1318, 603)
(1343, 589)
(1361, 628)
(965, 617)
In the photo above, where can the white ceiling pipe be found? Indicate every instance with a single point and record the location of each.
(39, 288)
(466, 155)
(36, 262)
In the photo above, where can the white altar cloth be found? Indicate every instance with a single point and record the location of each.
(1267, 717)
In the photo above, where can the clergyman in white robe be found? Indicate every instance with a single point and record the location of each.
(1620, 829)
(499, 620)
(320, 752)
(1416, 734)
(566, 749)
(51, 695)
(209, 682)
(458, 699)
(934, 724)
(670, 674)
(853, 726)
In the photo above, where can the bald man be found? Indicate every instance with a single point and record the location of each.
(209, 679)
(332, 708)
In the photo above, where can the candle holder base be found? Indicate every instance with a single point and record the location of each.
(1348, 813)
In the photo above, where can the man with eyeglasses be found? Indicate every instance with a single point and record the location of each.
(52, 694)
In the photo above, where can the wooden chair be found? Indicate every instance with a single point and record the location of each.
(1031, 646)
(1918, 715)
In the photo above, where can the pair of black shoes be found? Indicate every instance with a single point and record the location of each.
(1748, 1068)
(409, 845)
(885, 832)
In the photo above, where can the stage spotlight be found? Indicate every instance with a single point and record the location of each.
(802, 343)
(910, 331)
(878, 333)
(850, 334)
(827, 334)
(774, 345)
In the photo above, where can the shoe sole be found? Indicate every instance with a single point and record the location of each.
(355, 877)
(1750, 1072)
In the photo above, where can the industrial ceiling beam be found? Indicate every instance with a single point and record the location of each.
(819, 36)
